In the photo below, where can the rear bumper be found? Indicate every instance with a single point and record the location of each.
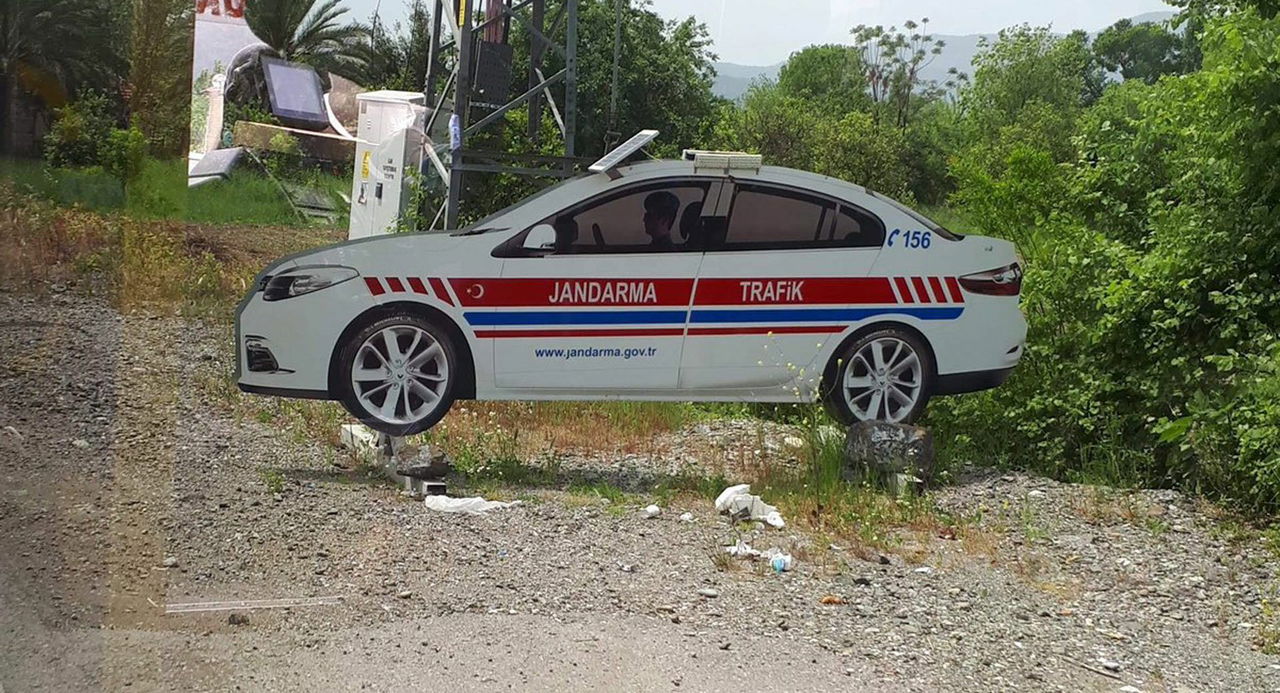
(973, 381)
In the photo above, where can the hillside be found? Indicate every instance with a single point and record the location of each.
(732, 80)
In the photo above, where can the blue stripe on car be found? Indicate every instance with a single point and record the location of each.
(612, 317)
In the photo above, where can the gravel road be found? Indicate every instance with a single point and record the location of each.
(125, 489)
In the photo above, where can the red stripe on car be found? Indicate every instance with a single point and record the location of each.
(904, 289)
(936, 285)
(375, 286)
(794, 291)
(417, 285)
(441, 293)
(956, 295)
(395, 284)
(540, 292)
(921, 291)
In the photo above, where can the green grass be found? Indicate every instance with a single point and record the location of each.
(248, 198)
(89, 188)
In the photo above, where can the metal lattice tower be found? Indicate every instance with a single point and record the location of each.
(475, 75)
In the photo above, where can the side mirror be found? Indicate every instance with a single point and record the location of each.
(541, 237)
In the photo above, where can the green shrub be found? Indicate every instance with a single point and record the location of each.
(79, 130)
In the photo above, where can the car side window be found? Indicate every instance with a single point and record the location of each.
(855, 228)
(768, 218)
(650, 218)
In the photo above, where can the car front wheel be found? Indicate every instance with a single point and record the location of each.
(884, 375)
(398, 375)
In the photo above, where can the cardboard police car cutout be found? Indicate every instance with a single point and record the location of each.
(714, 279)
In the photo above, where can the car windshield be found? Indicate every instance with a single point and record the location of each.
(928, 223)
(486, 224)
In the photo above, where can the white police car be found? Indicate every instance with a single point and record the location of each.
(711, 279)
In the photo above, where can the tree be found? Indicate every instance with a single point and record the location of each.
(831, 74)
(160, 73)
(893, 61)
(300, 31)
(1028, 88)
(1144, 51)
(784, 129)
(51, 49)
(394, 58)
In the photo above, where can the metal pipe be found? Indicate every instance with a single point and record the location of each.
(571, 79)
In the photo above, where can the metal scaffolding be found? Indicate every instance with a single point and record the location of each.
(480, 48)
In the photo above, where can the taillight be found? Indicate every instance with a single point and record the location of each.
(1002, 281)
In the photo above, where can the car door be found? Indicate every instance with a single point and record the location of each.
(592, 302)
(787, 273)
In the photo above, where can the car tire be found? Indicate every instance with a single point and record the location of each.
(885, 374)
(406, 357)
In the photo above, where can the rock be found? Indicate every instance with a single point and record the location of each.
(170, 562)
(238, 619)
(80, 443)
(652, 511)
(884, 451)
(708, 593)
(864, 581)
(1036, 494)
(423, 463)
(405, 594)
(686, 517)
(1130, 689)
(1110, 665)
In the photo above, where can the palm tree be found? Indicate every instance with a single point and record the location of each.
(50, 48)
(302, 32)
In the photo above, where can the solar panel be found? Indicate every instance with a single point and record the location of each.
(622, 151)
(297, 98)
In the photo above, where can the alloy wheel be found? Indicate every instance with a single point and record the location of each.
(884, 380)
(400, 374)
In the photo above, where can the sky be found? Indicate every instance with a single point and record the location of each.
(765, 32)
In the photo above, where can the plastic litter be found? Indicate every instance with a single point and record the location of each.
(738, 502)
(652, 511)
(466, 506)
(779, 561)
(686, 517)
(775, 557)
(741, 550)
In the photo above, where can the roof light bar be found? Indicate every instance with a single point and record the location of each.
(723, 161)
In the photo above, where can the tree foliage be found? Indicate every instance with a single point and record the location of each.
(160, 73)
(893, 60)
(51, 49)
(831, 75)
(1151, 265)
(1145, 51)
(307, 31)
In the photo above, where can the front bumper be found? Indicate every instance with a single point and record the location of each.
(284, 348)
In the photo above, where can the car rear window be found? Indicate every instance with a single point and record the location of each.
(769, 218)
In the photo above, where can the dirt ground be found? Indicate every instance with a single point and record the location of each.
(125, 490)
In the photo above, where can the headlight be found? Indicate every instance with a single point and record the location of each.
(304, 280)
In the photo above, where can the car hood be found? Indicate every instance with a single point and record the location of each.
(393, 252)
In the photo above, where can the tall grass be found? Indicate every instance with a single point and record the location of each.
(160, 192)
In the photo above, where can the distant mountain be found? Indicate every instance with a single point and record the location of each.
(732, 80)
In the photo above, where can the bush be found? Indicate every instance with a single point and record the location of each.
(1152, 354)
(79, 130)
(123, 152)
